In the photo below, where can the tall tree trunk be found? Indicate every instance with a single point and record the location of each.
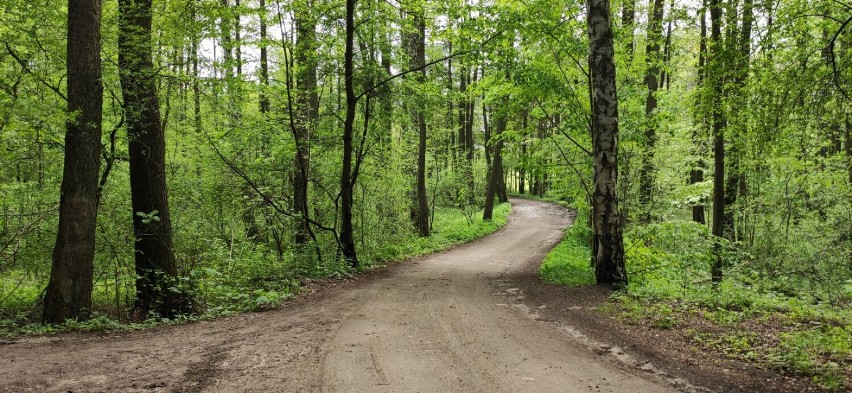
(522, 171)
(715, 76)
(238, 50)
(417, 54)
(227, 40)
(740, 51)
(652, 59)
(469, 141)
(696, 174)
(464, 74)
(666, 74)
(732, 82)
(628, 15)
(69, 291)
(156, 269)
(495, 176)
(307, 112)
(196, 89)
(264, 65)
(609, 259)
(347, 239)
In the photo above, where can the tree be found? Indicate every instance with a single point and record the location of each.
(628, 14)
(719, 121)
(69, 291)
(305, 116)
(495, 175)
(652, 60)
(156, 268)
(609, 260)
(347, 238)
(696, 174)
(417, 60)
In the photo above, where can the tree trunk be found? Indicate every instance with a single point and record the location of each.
(469, 141)
(347, 240)
(740, 50)
(69, 291)
(156, 269)
(307, 112)
(238, 50)
(628, 15)
(196, 89)
(696, 174)
(719, 121)
(418, 59)
(609, 259)
(666, 74)
(495, 176)
(652, 59)
(522, 173)
(264, 67)
(227, 40)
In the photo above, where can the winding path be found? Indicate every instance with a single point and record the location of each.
(447, 322)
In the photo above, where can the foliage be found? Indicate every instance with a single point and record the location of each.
(569, 263)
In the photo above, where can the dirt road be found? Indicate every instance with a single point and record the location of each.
(448, 322)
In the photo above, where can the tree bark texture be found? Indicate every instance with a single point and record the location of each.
(628, 15)
(609, 259)
(495, 175)
(418, 59)
(156, 268)
(69, 290)
(347, 239)
(696, 174)
(307, 112)
(652, 60)
(714, 77)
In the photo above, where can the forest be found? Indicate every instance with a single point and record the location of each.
(163, 161)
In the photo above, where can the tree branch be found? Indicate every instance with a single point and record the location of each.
(29, 71)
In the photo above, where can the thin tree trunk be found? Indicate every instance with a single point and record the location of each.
(628, 15)
(734, 67)
(495, 177)
(462, 109)
(196, 89)
(715, 76)
(609, 259)
(69, 290)
(522, 171)
(264, 63)
(469, 141)
(347, 241)
(666, 74)
(238, 50)
(696, 174)
(156, 268)
(227, 40)
(652, 59)
(418, 59)
(307, 102)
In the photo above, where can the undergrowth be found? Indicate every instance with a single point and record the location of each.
(227, 280)
(744, 317)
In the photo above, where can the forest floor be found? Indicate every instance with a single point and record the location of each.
(475, 318)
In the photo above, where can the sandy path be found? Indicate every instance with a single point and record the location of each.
(447, 322)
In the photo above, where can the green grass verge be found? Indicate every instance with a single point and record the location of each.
(668, 267)
(451, 227)
(247, 279)
(569, 262)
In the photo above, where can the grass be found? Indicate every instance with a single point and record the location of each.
(451, 227)
(245, 278)
(569, 262)
(669, 289)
